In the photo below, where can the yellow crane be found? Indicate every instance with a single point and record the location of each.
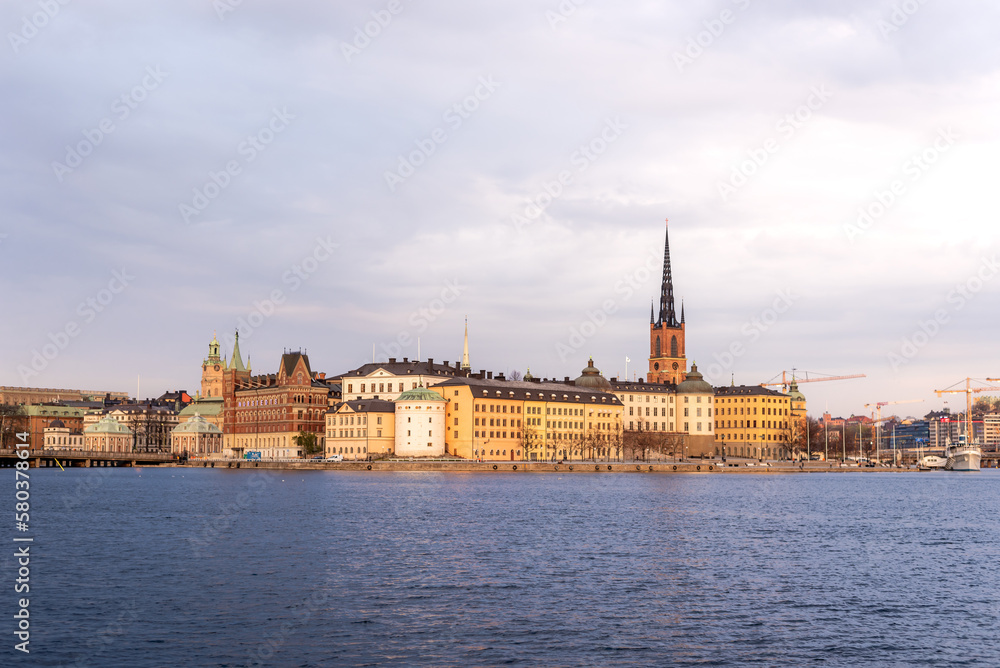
(785, 382)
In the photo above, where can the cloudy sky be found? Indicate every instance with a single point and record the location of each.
(333, 178)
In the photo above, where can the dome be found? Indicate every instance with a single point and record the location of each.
(107, 425)
(528, 376)
(197, 425)
(793, 392)
(694, 383)
(592, 378)
(56, 424)
(420, 394)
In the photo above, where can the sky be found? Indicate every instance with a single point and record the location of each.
(342, 179)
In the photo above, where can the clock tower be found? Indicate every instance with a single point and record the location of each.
(667, 361)
(211, 371)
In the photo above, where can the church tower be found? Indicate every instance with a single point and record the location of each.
(211, 371)
(667, 362)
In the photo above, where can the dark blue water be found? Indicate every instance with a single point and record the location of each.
(178, 567)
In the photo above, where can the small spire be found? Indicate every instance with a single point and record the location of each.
(465, 349)
(682, 310)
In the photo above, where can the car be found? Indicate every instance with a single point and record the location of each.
(335, 458)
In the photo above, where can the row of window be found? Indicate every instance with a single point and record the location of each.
(755, 437)
(739, 424)
(498, 422)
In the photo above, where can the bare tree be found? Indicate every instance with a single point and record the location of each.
(12, 421)
(515, 375)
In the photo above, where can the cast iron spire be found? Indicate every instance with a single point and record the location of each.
(668, 316)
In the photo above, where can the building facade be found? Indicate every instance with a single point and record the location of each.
(14, 396)
(60, 437)
(387, 380)
(270, 411)
(361, 429)
(752, 421)
(196, 437)
(107, 435)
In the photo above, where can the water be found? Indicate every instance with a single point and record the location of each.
(177, 567)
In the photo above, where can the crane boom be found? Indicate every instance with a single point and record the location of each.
(785, 382)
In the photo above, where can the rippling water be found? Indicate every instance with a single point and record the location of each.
(172, 567)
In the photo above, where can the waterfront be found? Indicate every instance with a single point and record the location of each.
(182, 566)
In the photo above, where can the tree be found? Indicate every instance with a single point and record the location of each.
(529, 441)
(12, 421)
(514, 375)
(308, 442)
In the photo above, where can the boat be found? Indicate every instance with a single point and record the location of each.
(931, 463)
(962, 456)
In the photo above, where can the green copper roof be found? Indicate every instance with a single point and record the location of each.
(210, 407)
(107, 425)
(237, 361)
(420, 394)
(694, 383)
(197, 425)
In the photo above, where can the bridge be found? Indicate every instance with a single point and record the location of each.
(87, 458)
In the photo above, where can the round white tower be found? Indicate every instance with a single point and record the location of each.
(420, 423)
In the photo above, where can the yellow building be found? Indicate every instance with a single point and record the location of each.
(752, 421)
(529, 420)
(359, 429)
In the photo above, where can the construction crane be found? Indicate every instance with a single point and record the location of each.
(785, 383)
(968, 391)
(877, 406)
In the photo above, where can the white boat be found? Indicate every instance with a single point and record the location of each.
(931, 462)
(962, 456)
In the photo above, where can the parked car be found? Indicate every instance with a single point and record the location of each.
(335, 458)
(317, 458)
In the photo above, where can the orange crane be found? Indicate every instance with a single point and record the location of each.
(968, 391)
(785, 383)
(878, 422)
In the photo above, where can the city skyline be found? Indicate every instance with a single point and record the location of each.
(844, 183)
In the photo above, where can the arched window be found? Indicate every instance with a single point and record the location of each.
(657, 347)
(673, 346)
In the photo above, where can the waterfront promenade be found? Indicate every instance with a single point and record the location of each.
(567, 467)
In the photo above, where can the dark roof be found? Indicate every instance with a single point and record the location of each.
(623, 386)
(404, 368)
(531, 391)
(365, 406)
(753, 390)
(289, 360)
(57, 424)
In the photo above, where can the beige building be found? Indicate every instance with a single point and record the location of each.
(60, 437)
(197, 438)
(361, 429)
(107, 435)
(753, 421)
(991, 430)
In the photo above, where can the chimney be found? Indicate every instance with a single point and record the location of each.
(322, 375)
(500, 377)
(405, 359)
(446, 363)
(489, 375)
(392, 360)
(566, 380)
(430, 362)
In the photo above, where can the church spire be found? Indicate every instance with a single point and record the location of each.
(237, 361)
(668, 316)
(465, 350)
